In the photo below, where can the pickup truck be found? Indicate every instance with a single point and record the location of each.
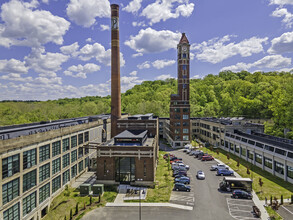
(219, 166)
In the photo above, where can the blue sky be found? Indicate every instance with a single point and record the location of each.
(52, 49)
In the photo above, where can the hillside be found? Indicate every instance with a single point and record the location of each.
(258, 95)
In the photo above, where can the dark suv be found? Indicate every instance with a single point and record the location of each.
(181, 187)
(241, 194)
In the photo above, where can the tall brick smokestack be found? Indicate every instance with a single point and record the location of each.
(115, 70)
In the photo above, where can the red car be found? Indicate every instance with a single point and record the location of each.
(166, 156)
(206, 158)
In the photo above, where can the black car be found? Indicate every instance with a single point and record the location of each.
(181, 187)
(179, 176)
(241, 194)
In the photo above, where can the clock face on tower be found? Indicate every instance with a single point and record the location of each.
(184, 48)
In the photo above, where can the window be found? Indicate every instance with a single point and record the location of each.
(279, 151)
(185, 124)
(231, 146)
(237, 148)
(86, 136)
(86, 150)
(279, 167)
(290, 155)
(65, 160)
(56, 183)
(56, 148)
(259, 145)
(144, 168)
(12, 213)
(185, 110)
(268, 162)
(184, 67)
(56, 165)
(65, 144)
(73, 171)
(185, 137)
(29, 203)
(176, 109)
(86, 162)
(177, 124)
(105, 167)
(44, 193)
(251, 142)
(290, 172)
(10, 166)
(10, 191)
(185, 130)
(177, 116)
(29, 158)
(258, 158)
(44, 172)
(29, 180)
(73, 141)
(250, 154)
(244, 140)
(243, 151)
(80, 166)
(80, 152)
(269, 148)
(177, 131)
(44, 153)
(177, 138)
(184, 55)
(185, 117)
(65, 177)
(80, 138)
(73, 156)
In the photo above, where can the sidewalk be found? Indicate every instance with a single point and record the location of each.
(143, 204)
(259, 203)
(86, 177)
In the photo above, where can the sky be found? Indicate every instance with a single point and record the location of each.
(51, 49)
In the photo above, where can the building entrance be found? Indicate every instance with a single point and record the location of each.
(124, 169)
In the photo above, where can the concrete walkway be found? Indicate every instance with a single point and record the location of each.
(86, 177)
(143, 204)
(259, 203)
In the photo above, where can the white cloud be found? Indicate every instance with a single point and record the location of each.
(104, 27)
(152, 41)
(23, 26)
(159, 64)
(13, 66)
(89, 40)
(164, 77)
(84, 12)
(281, 2)
(137, 55)
(45, 62)
(127, 82)
(283, 12)
(166, 9)
(133, 6)
(45, 1)
(70, 49)
(195, 77)
(268, 62)
(82, 71)
(133, 73)
(16, 77)
(282, 44)
(98, 52)
(215, 50)
(138, 24)
(144, 65)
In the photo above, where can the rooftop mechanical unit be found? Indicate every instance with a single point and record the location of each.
(98, 189)
(85, 189)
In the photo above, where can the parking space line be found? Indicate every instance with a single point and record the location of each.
(287, 210)
(244, 218)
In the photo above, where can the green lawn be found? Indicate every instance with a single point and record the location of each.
(67, 200)
(272, 185)
(273, 214)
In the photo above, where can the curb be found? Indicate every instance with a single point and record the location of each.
(143, 204)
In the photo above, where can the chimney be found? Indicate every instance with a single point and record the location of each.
(115, 70)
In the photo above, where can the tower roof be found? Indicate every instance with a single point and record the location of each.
(183, 39)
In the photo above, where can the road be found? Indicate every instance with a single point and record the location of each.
(209, 203)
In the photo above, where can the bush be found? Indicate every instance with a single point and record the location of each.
(247, 170)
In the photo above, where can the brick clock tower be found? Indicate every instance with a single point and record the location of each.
(180, 107)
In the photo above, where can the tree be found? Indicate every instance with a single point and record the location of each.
(282, 200)
(260, 183)
(91, 199)
(238, 163)
(76, 208)
(70, 216)
(228, 156)
(247, 170)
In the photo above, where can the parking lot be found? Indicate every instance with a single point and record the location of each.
(208, 198)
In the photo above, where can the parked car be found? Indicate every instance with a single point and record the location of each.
(166, 156)
(179, 168)
(174, 161)
(181, 187)
(175, 158)
(207, 158)
(188, 151)
(180, 175)
(200, 155)
(219, 166)
(200, 175)
(193, 152)
(197, 152)
(181, 172)
(237, 193)
(184, 180)
(224, 172)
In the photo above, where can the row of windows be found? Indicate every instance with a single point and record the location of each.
(11, 165)
(11, 190)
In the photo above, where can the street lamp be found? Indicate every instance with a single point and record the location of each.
(139, 199)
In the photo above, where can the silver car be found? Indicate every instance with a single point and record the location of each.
(200, 175)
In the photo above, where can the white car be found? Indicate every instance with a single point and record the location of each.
(200, 175)
(219, 166)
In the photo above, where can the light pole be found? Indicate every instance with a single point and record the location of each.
(139, 198)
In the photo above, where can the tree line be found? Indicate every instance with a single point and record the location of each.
(259, 95)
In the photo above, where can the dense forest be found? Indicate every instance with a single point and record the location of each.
(258, 95)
